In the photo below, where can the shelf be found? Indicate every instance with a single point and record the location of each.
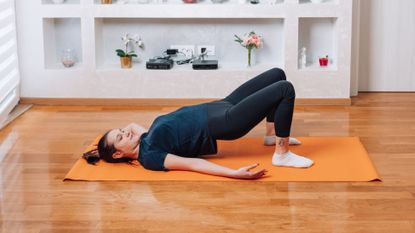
(316, 67)
(65, 2)
(318, 36)
(180, 2)
(140, 67)
(318, 1)
(188, 11)
(159, 34)
(60, 34)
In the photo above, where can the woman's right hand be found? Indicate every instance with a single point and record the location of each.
(245, 173)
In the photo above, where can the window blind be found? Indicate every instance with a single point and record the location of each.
(9, 72)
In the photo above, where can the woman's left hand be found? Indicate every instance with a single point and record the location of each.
(245, 173)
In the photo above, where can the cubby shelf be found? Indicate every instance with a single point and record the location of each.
(318, 36)
(155, 31)
(60, 34)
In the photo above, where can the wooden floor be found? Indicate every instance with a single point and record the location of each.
(39, 148)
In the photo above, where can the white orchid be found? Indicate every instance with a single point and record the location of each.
(127, 40)
(138, 40)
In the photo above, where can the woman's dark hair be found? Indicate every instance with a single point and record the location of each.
(104, 152)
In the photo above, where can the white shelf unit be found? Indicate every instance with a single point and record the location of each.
(60, 34)
(286, 26)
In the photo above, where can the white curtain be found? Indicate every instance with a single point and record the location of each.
(9, 67)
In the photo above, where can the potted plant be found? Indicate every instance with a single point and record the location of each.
(250, 41)
(127, 54)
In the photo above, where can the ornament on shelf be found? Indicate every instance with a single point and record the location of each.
(303, 58)
(68, 57)
(254, 1)
(129, 52)
(250, 41)
(324, 61)
(106, 1)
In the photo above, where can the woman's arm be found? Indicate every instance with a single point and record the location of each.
(174, 162)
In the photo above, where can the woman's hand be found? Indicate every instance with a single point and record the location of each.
(135, 128)
(245, 173)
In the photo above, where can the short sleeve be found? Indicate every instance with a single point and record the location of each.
(153, 159)
(155, 146)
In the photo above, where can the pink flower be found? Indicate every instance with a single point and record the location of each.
(258, 44)
(250, 40)
(245, 42)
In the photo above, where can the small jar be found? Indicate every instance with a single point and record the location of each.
(68, 57)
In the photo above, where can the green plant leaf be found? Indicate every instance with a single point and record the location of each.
(120, 52)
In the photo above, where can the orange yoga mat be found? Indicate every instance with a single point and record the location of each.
(335, 159)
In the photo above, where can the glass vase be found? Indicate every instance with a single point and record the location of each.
(251, 57)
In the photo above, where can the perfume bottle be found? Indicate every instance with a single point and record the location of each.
(303, 58)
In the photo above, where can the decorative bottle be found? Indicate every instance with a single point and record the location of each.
(303, 58)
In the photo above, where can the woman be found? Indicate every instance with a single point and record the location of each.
(177, 140)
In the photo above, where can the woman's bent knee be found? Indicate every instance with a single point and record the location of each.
(288, 88)
(278, 73)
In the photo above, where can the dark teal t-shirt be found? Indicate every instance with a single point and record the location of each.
(183, 132)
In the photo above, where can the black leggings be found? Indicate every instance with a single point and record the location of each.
(267, 95)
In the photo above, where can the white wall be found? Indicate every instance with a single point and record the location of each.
(387, 45)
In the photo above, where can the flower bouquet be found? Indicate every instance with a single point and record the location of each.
(250, 41)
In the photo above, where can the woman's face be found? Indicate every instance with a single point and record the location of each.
(124, 140)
